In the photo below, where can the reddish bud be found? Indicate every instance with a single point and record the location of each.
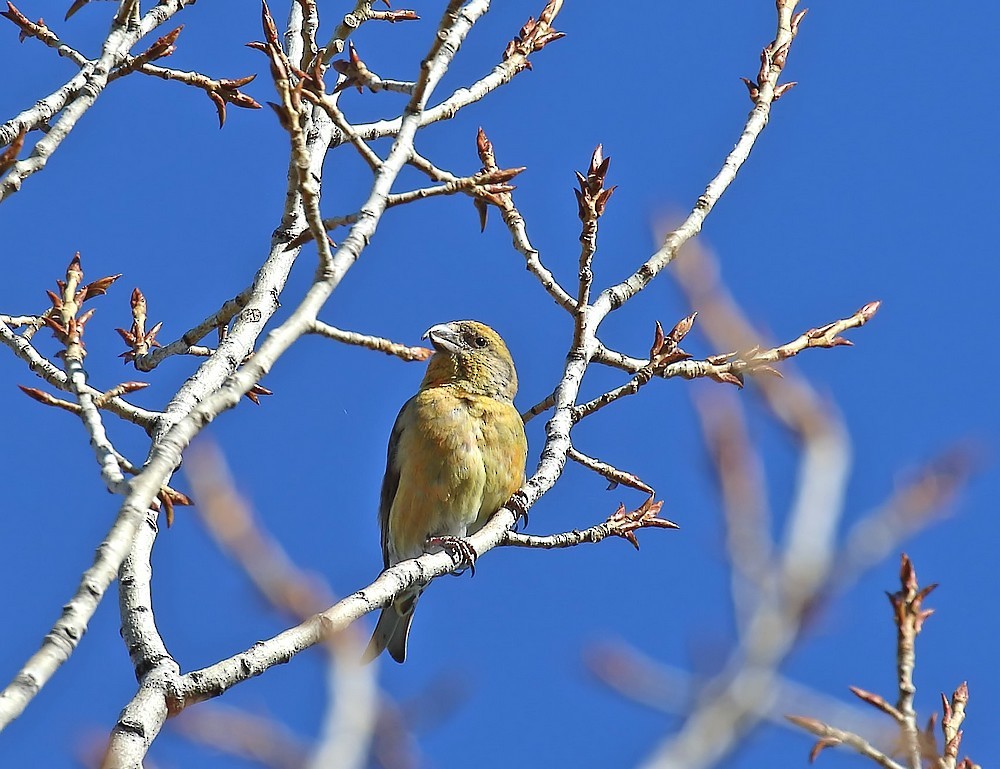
(658, 339)
(267, 24)
(752, 87)
(729, 378)
(796, 20)
(807, 723)
(820, 746)
(9, 155)
(256, 391)
(74, 268)
(869, 310)
(683, 327)
(784, 88)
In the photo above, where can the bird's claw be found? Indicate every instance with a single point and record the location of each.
(517, 504)
(459, 549)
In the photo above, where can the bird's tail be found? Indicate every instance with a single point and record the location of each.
(392, 629)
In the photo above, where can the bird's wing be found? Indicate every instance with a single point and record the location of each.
(390, 481)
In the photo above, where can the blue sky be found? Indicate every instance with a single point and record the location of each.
(874, 180)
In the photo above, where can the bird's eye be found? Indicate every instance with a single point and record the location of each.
(480, 341)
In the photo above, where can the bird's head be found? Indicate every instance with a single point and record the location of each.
(471, 355)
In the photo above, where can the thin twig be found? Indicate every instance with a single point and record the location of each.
(40, 31)
(518, 229)
(77, 96)
(188, 342)
(831, 737)
(726, 367)
(221, 91)
(514, 62)
(610, 472)
(376, 343)
(56, 377)
(773, 59)
(622, 523)
(329, 104)
(539, 408)
(909, 616)
(361, 13)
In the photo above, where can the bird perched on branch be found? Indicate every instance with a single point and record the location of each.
(456, 455)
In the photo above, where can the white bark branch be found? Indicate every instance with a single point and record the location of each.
(77, 96)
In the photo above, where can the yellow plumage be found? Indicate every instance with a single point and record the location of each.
(456, 455)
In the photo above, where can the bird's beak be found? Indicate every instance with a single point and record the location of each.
(443, 337)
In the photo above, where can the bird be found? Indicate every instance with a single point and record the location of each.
(456, 454)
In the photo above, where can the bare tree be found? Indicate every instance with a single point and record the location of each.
(224, 371)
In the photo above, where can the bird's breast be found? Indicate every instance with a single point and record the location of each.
(460, 457)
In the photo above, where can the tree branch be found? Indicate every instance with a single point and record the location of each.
(77, 96)
(371, 342)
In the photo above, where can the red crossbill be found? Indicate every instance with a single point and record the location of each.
(456, 455)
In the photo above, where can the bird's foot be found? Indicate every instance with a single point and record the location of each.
(518, 505)
(459, 549)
